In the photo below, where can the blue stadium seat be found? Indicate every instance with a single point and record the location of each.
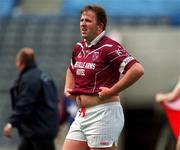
(151, 10)
(125, 7)
(6, 7)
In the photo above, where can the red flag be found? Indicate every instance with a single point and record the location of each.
(172, 110)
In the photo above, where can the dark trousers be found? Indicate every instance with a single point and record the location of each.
(44, 144)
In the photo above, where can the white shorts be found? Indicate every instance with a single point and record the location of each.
(100, 126)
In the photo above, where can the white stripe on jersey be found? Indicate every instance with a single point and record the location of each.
(110, 53)
(124, 63)
(105, 45)
(117, 57)
(80, 45)
(72, 64)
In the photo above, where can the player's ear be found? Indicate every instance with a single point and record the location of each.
(19, 65)
(100, 26)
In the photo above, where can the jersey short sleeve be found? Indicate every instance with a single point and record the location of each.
(119, 58)
(74, 53)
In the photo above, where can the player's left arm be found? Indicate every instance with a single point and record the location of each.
(131, 69)
(130, 77)
(69, 78)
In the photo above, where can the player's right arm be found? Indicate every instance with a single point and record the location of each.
(69, 79)
(69, 84)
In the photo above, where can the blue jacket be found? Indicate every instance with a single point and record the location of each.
(34, 103)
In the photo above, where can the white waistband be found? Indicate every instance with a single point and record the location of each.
(100, 106)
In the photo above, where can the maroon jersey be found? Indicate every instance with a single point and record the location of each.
(100, 65)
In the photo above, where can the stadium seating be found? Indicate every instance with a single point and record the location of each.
(6, 7)
(125, 7)
(130, 9)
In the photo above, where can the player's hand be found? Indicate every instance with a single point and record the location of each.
(8, 130)
(159, 97)
(104, 93)
(67, 92)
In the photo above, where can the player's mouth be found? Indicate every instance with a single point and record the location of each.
(83, 31)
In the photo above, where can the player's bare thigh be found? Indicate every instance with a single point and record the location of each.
(75, 145)
(81, 145)
(110, 148)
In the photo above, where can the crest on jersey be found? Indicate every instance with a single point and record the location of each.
(95, 56)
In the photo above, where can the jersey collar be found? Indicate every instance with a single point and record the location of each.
(96, 40)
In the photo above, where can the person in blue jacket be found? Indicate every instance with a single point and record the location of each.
(67, 110)
(34, 103)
